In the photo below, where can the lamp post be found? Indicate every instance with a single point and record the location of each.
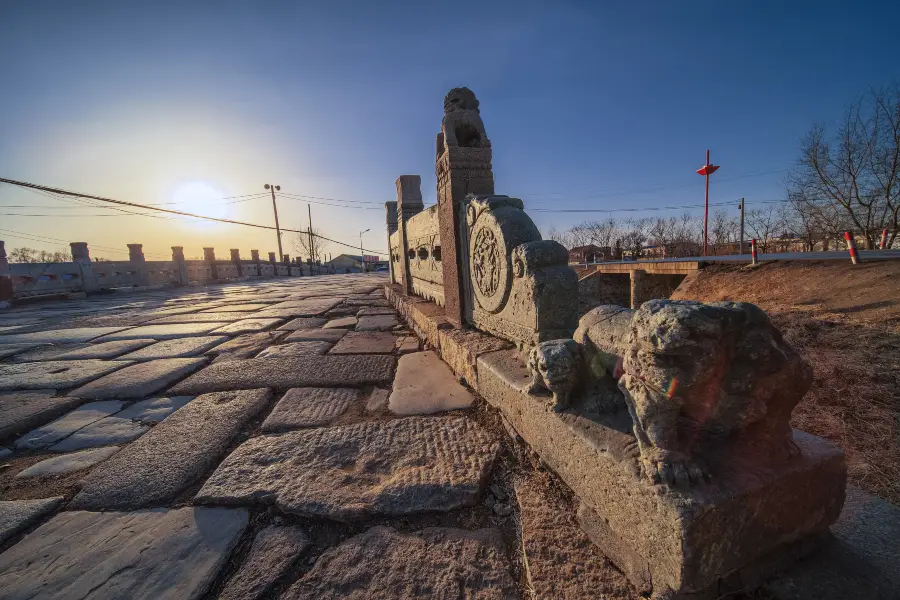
(362, 257)
(277, 228)
(706, 170)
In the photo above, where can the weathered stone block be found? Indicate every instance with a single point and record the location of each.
(460, 348)
(355, 472)
(689, 538)
(435, 563)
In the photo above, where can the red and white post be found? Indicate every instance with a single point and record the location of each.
(851, 247)
(753, 255)
(883, 243)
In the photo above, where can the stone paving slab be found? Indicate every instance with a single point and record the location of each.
(149, 554)
(164, 332)
(323, 335)
(219, 317)
(56, 375)
(65, 426)
(341, 322)
(560, 560)
(248, 308)
(154, 410)
(407, 344)
(366, 342)
(309, 407)
(68, 463)
(295, 349)
(23, 411)
(302, 308)
(139, 380)
(59, 336)
(7, 350)
(247, 326)
(355, 472)
(377, 323)
(41, 352)
(176, 348)
(303, 323)
(105, 432)
(426, 385)
(105, 350)
(283, 373)
(162, 463)
(246, 346)
(274, 550)
(18, 515)
(375, 310)
(435, 563)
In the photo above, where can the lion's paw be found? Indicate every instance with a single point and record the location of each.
(675, 470)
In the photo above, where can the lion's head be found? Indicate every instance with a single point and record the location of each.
(459, 99)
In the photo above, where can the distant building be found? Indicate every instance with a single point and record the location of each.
(591, 254)
(354, 263)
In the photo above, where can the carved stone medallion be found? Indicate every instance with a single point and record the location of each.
(489, 266)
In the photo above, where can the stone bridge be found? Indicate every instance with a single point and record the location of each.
(632, 283)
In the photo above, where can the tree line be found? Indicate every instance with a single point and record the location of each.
(847, 178)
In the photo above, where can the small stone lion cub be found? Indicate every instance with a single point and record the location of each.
(556, 366)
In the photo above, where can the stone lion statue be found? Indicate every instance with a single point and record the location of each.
(695, 374)
(462, 124)
(556, 366)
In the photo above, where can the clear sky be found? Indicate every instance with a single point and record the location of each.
(601, 105)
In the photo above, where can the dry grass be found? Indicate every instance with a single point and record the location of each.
(846, 321)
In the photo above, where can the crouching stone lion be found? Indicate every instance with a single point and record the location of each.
(697, 374)
(556, 365)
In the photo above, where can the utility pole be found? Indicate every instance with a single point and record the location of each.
(362, 257)
(272, 188)
(706, 170)
(741, 208)
(309, 231)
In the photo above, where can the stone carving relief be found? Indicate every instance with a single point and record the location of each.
(517, 285)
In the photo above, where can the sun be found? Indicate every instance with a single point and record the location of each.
(201, 198)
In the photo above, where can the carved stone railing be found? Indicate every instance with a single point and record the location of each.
(670, 422)
(83, 275)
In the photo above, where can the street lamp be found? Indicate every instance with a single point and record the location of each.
(362, 257)
(706, 170)
(277, 228)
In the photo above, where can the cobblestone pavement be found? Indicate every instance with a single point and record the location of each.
(243, 440)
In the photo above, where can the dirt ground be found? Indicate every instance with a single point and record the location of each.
(846, 320)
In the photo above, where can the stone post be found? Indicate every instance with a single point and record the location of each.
(209, 255)
(287, 260)
(462, 167)
(409, 204)
(254, 256)
(390, 210)
(273, 260)
(638, 279)
(178, 259)
(138, 263)
(6, 290)
(236, 261)
(81, 256)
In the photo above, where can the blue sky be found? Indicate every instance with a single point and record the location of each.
(595, 105)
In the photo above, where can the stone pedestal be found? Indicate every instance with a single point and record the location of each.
(390, 210)
(209, 255)
(178, 259)
(746, 519)
(6, 290)
(236, 261)
(81, 256)
(409, 204)
(138, 263)
(460, 171)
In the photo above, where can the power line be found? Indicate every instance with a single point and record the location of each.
(76, 195)
(47, 240)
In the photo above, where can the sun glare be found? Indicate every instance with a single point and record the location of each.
(201, 198)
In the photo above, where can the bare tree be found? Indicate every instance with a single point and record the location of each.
(634, 236)
(856, 171)
(30, 255)
(725, 228)
(309, 246)
(764, 224)
(563, 237)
